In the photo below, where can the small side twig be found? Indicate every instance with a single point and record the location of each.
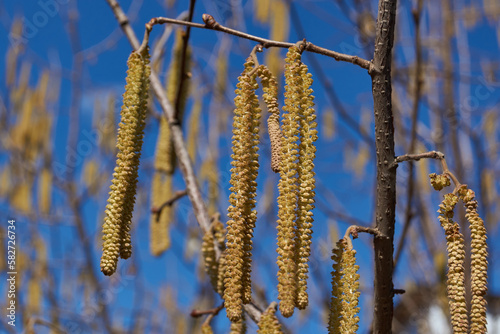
(213, 311)
(178, 195)
(429, 155)
(354, 230)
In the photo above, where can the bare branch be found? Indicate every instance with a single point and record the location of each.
(178, 195)
(211, 24)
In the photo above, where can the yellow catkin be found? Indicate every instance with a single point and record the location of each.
(22, 196)
(91, 176)
(262, 10)
(241, 213)
(287, 199)
(296, 186)
(328, 124)
(206, 329)
(269, 323)
(439, 182)
(159, 222)
(194, 129)
(213, 238)
(34, 294)
(345, 295)
(280, 26)
(116, 227)
(456, 260)
(306, 183)
(239, 326)
(165, 158)
(270, 88)
(165, 153)
(45, 190)
(479, 262)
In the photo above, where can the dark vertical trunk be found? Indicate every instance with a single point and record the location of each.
(386, 176)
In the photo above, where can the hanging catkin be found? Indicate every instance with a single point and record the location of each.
(212, 239)
(287, 199)
(270, 88)
(456, 260)
(241, 213)
(269, 323)
(306, 182)
(479, 262)
(116, 227)
(296, 186)
(345, 295)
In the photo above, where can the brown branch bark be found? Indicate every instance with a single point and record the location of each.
(211, 24)
(386, 174)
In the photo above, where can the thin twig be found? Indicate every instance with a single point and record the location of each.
(211, 24)
(178, 195)
(353, 231)
(214, 311)
(428, 155)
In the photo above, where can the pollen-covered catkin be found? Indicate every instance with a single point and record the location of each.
(269, 323)
(456, 259)
(306, 182)
(270, 88)
(116, 227)
(239, 326)
(213, 238)
(287, 199)
(159, 232)
(440, 181)
(479, 262)
(241, 213)
(345, 295)
(296, 186)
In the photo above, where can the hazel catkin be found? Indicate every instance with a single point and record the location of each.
(345, 295)
(116, 227)
(479, 262)
(241, 213)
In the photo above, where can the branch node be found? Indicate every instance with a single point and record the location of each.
(209, 21)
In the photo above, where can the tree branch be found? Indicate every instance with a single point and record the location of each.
(211, 24)
(386, 176)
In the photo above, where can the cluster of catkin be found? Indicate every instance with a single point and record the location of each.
(296, 185)
(456, 258)
(116, 227)
(241, 213)
(292, 155)
(345, 295)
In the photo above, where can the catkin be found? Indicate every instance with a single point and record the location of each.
(165, 153)
(239, 326)
(479, 262)
(287, 199)
(456, 260)
(296, 186)
(306, 181)
(213, 238)
(269, 323)
(160, 222)
(270, 88)
(241, 213)
(345, 295)
(116, 227)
